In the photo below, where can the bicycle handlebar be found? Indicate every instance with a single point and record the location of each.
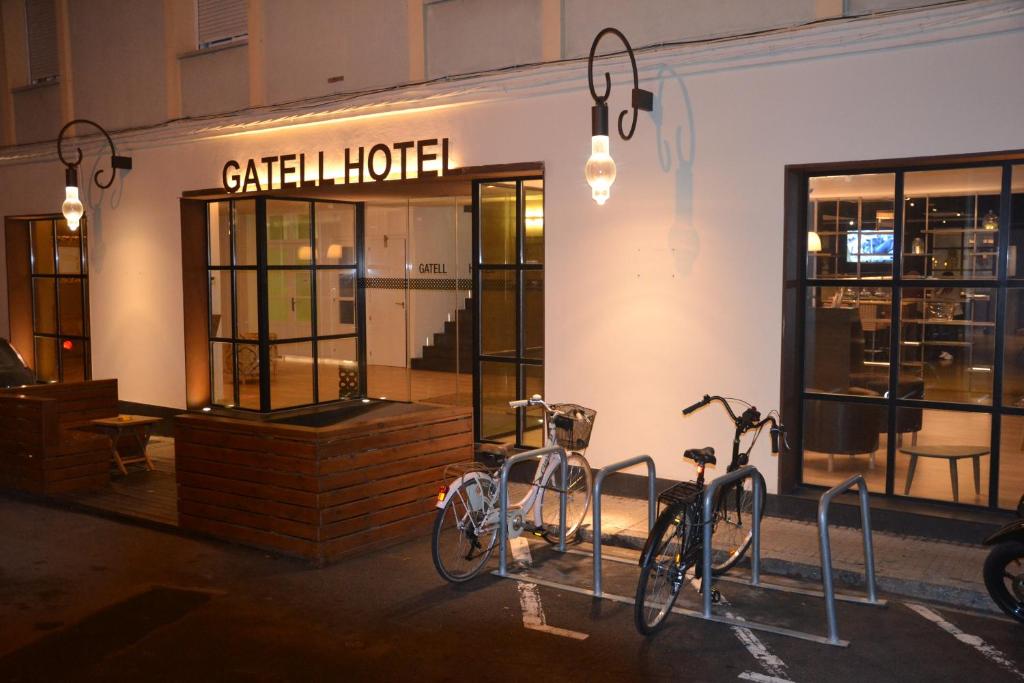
(748, 420)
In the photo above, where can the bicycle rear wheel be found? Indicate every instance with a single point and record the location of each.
(663, 569)
(578, 494)
(732, 532)
(463, 537)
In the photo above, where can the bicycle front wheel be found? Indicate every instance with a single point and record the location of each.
(733, 526)
(578, 493)
(463, 536)
(663, 570)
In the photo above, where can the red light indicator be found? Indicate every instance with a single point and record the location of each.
(67, 345)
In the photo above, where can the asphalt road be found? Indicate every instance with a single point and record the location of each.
(89, 599)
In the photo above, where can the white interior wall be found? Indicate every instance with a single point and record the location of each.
(669, 291)
(432, 239)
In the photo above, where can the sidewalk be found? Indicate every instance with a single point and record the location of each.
(904, 566)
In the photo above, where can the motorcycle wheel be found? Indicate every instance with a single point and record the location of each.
(1004, 577)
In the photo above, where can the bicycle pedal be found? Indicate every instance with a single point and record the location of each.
(716, 596)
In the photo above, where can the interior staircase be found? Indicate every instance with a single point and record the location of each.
(454, 343)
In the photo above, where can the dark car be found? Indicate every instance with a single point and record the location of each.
(13, 371)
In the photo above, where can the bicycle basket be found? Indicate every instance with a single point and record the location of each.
(574, 437)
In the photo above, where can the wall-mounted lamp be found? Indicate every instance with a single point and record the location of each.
(72, 207)
(600, 169)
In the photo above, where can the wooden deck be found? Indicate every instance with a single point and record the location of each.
(151, 496)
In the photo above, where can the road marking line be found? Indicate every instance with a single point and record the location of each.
(529, 596)
(977, 643)
(755, 646)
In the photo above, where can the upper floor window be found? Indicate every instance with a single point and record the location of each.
(41, 27)
(220, 21)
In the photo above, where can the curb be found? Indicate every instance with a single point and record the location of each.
(916, 589)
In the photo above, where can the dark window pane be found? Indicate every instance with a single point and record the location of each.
(46, 359)
(498, 223)
(1015, 263)
(533, 314)
(220, 303)
(498, 304)
(248, 375)
(338, 369)
(218, 224)
(533, 419)
(44, 303)
(533, 221)
(288, 233)
(335, 234)
(222, 373)
(245, 232)
(842, 439)
(71, 319)
(846, 342)
(497, 388)
(42, 247)
(938, 448)
(947, 342)
(291, 375)
(246, 304)
(69, 248)
(337, 303)
(288, 304)
(73, 358)
(1011, 461)
(1013, 350)
(850, 226)
(951, 220)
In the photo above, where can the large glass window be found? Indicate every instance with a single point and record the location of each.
(60, 300)
(510, 312)
(913, 337)
(284, 303)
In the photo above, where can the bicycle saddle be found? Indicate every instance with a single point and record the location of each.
(703, 456)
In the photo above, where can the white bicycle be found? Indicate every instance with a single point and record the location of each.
(466, 528)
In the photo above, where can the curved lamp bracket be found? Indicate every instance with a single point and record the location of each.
(116, 162)
(641, 99)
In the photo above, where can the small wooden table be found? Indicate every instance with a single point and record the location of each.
(951, 453)
(138, 426)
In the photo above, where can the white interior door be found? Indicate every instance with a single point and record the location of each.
(386, 301)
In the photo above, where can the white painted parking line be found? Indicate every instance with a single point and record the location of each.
(529, 596)
(755, 646)
(990, 653)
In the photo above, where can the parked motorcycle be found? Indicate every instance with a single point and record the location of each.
(1004, 566)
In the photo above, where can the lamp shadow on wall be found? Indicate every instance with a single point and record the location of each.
(93, 198)
(682, 238)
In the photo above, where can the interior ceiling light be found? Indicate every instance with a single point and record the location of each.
(72, 207)
(600, 168)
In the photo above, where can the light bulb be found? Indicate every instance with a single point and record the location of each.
(72, 208)
(600, 169)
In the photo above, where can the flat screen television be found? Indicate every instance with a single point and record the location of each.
(871, 246)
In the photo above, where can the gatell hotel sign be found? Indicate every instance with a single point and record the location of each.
(398, 161)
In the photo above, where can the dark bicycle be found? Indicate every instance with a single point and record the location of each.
(676, 541)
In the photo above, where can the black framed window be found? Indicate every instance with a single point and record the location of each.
(509, 293)
(60, 300)
(910, 299)
(285, 306)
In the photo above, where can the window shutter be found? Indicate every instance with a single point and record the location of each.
(41, 17)
(221, 21)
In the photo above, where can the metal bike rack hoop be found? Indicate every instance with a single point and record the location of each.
(652, 504)
(755, 551)
(826, 550)
(503, 500)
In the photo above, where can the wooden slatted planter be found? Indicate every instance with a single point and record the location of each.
(316, 492)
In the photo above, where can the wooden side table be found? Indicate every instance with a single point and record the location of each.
(138, 426)
(951, 453)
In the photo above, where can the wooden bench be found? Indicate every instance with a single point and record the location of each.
(42, 449)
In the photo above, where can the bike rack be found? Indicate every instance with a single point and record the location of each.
(652, 505)
(826, 550)
(503, 500)
(736, 475)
